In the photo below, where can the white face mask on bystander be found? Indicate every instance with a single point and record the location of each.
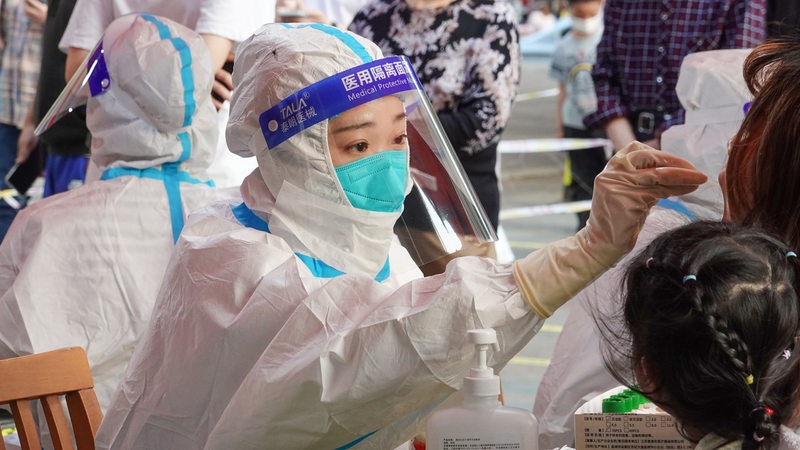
(588, 25)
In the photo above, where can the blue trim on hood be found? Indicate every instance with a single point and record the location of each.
(172, 177)
(343, 36)
(356, 442)
(347, 39)
(318, 268)
(170, 174)
(186, 67)
(676, 206)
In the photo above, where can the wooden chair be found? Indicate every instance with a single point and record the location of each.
(47, 376)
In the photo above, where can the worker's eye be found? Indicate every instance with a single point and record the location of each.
(359, 147)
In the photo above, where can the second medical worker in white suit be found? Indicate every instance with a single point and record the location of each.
(712, 90)
(295, 319)
(83, 268)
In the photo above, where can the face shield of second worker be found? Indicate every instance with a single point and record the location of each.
(377, 121)
(712, 90)
(145, 86)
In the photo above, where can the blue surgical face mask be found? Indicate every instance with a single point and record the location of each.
(377, 182)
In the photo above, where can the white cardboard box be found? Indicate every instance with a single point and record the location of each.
(597, 431)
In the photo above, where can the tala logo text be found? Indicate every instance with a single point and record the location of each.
(292, 108)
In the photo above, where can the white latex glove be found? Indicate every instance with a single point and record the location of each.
(631, 183)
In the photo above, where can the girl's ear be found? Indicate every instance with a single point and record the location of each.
(641, 371)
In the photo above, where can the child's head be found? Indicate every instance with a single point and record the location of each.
(586, 17)
(711, 314)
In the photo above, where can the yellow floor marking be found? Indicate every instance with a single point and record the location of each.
(528, 361)
(536, 362)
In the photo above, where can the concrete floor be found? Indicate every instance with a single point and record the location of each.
(527, 180)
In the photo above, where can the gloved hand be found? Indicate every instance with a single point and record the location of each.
(631, 183)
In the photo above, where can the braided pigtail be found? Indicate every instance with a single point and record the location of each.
(728, 341)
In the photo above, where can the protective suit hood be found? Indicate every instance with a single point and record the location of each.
(277, 52)
(156, 107)
(296, 189)
(712, 90)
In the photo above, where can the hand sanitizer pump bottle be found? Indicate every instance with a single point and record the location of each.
(482, 423)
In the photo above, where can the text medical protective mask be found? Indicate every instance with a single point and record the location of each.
(450, 213)
(377, 182)
(589, 25)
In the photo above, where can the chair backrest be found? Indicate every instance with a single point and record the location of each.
(46, 377)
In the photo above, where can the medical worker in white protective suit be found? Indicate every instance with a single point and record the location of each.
(83, 268)
(294, 319)
(712, 90)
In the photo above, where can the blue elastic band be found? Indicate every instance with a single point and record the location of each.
(318, 268)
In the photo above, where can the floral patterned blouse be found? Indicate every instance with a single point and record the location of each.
(466, 55)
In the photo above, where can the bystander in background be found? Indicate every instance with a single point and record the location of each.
(21, 31)
(537, 17)
(572, 64)
(639, 57)
(66, 143)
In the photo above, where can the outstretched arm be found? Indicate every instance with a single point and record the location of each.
(632, 182)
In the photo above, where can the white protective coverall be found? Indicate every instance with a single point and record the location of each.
(83, 268)
(250, 347)
(713, 92)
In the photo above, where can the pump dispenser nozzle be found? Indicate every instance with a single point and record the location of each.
(482, 421)
(482, 381)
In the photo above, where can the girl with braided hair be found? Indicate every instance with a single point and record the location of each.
(711, 318)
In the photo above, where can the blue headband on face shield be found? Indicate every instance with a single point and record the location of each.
(97, 72)
(335, 95)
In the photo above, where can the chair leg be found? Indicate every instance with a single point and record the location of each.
(26, 426)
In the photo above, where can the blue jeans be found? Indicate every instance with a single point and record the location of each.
(62, 173)
(8, 154)
(8, 150)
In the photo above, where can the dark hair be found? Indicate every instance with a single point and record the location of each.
(764, 162)
(708, 306)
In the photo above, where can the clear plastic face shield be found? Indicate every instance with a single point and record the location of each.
(91, 79)
(442, 212)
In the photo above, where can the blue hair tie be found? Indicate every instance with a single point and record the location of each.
(689, 277)
(791, 254)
